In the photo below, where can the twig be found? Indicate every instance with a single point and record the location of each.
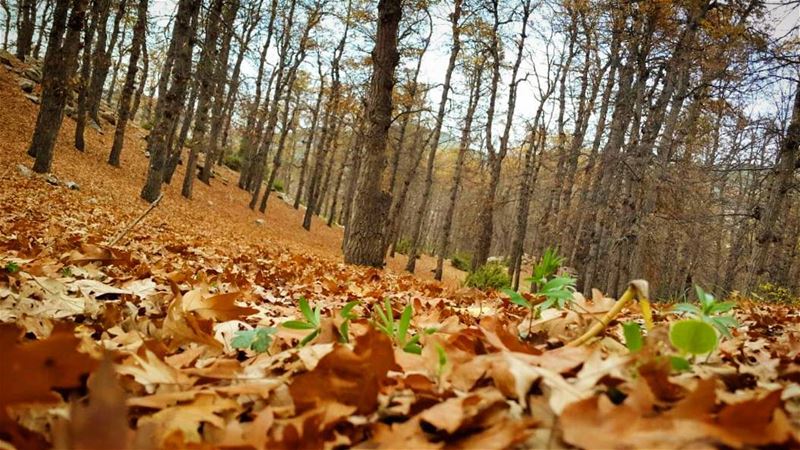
(125, 230)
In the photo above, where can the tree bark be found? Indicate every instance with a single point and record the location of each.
(169, 104)
(60, 62)
(137, 99)
(364, 245)
(127, 90)
(205, 92)
(25, 28)
(100, 12)
(220, 81)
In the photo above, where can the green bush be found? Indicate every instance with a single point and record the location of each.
(233, 161)
(774, 293)
(277, 185)
(147, 125)
(461, 261)
(490, 276)
(403, 246)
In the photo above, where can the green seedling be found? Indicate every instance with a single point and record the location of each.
(398, 331)
(257, 339)
(441, 362)
(347, 315)
(546, 267)
(633, 336)
(692, 336)
(12, 267)
(557, 292)
(710, 311)
(311, 321)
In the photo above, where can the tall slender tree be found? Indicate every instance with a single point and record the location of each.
(123, 111)
(365, 240)
(169, 104)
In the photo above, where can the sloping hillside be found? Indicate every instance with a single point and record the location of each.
(216, 211)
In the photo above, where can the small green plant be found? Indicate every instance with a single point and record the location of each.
(634, 340)
(277, 185)
(312, 321)
(556, 292)
(402, 246)
(233, 161)
(66, 271)
(441, 361)
(633, 336)
(12, 267)
(774, 293)
(347, 315)
(399, 330)
(692, 336)
(257, 339)
(546, 267)
(489, 276)
(461, 261)
(710, 311)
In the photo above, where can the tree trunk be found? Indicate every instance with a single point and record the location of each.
(205, 92)
(466, 138)
(329, 122)
(120, 53)
(60, 62)
(310, 138)
(220, 81)
(254, 123)
(46, 19)
(127, 90)
(278, 159)
(174, 152)
(364, 245)
(486, 216)
(455, 47)
(137, 99)
(100, 12)
(26, 27)
(773, 209)
(102, 62)
(169, 103)
(7, 27)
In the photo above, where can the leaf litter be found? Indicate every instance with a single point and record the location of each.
(135, 346)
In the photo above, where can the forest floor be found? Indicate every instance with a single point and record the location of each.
(182, 327)
(216, 210)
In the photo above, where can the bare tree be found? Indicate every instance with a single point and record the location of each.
(123, 110)
(168, 105)
(364, 244)
(60, 61)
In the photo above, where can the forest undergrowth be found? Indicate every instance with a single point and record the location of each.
(197, 330)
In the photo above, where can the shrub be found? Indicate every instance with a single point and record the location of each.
(147, 125)
(775, 294)
(403, 246)
(233, 161)
(277, 185)
(461, 261)
(489, 276)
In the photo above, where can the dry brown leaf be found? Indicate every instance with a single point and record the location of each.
(352, 377)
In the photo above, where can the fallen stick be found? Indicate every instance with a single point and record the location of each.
(637, 290)
(125, 230)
